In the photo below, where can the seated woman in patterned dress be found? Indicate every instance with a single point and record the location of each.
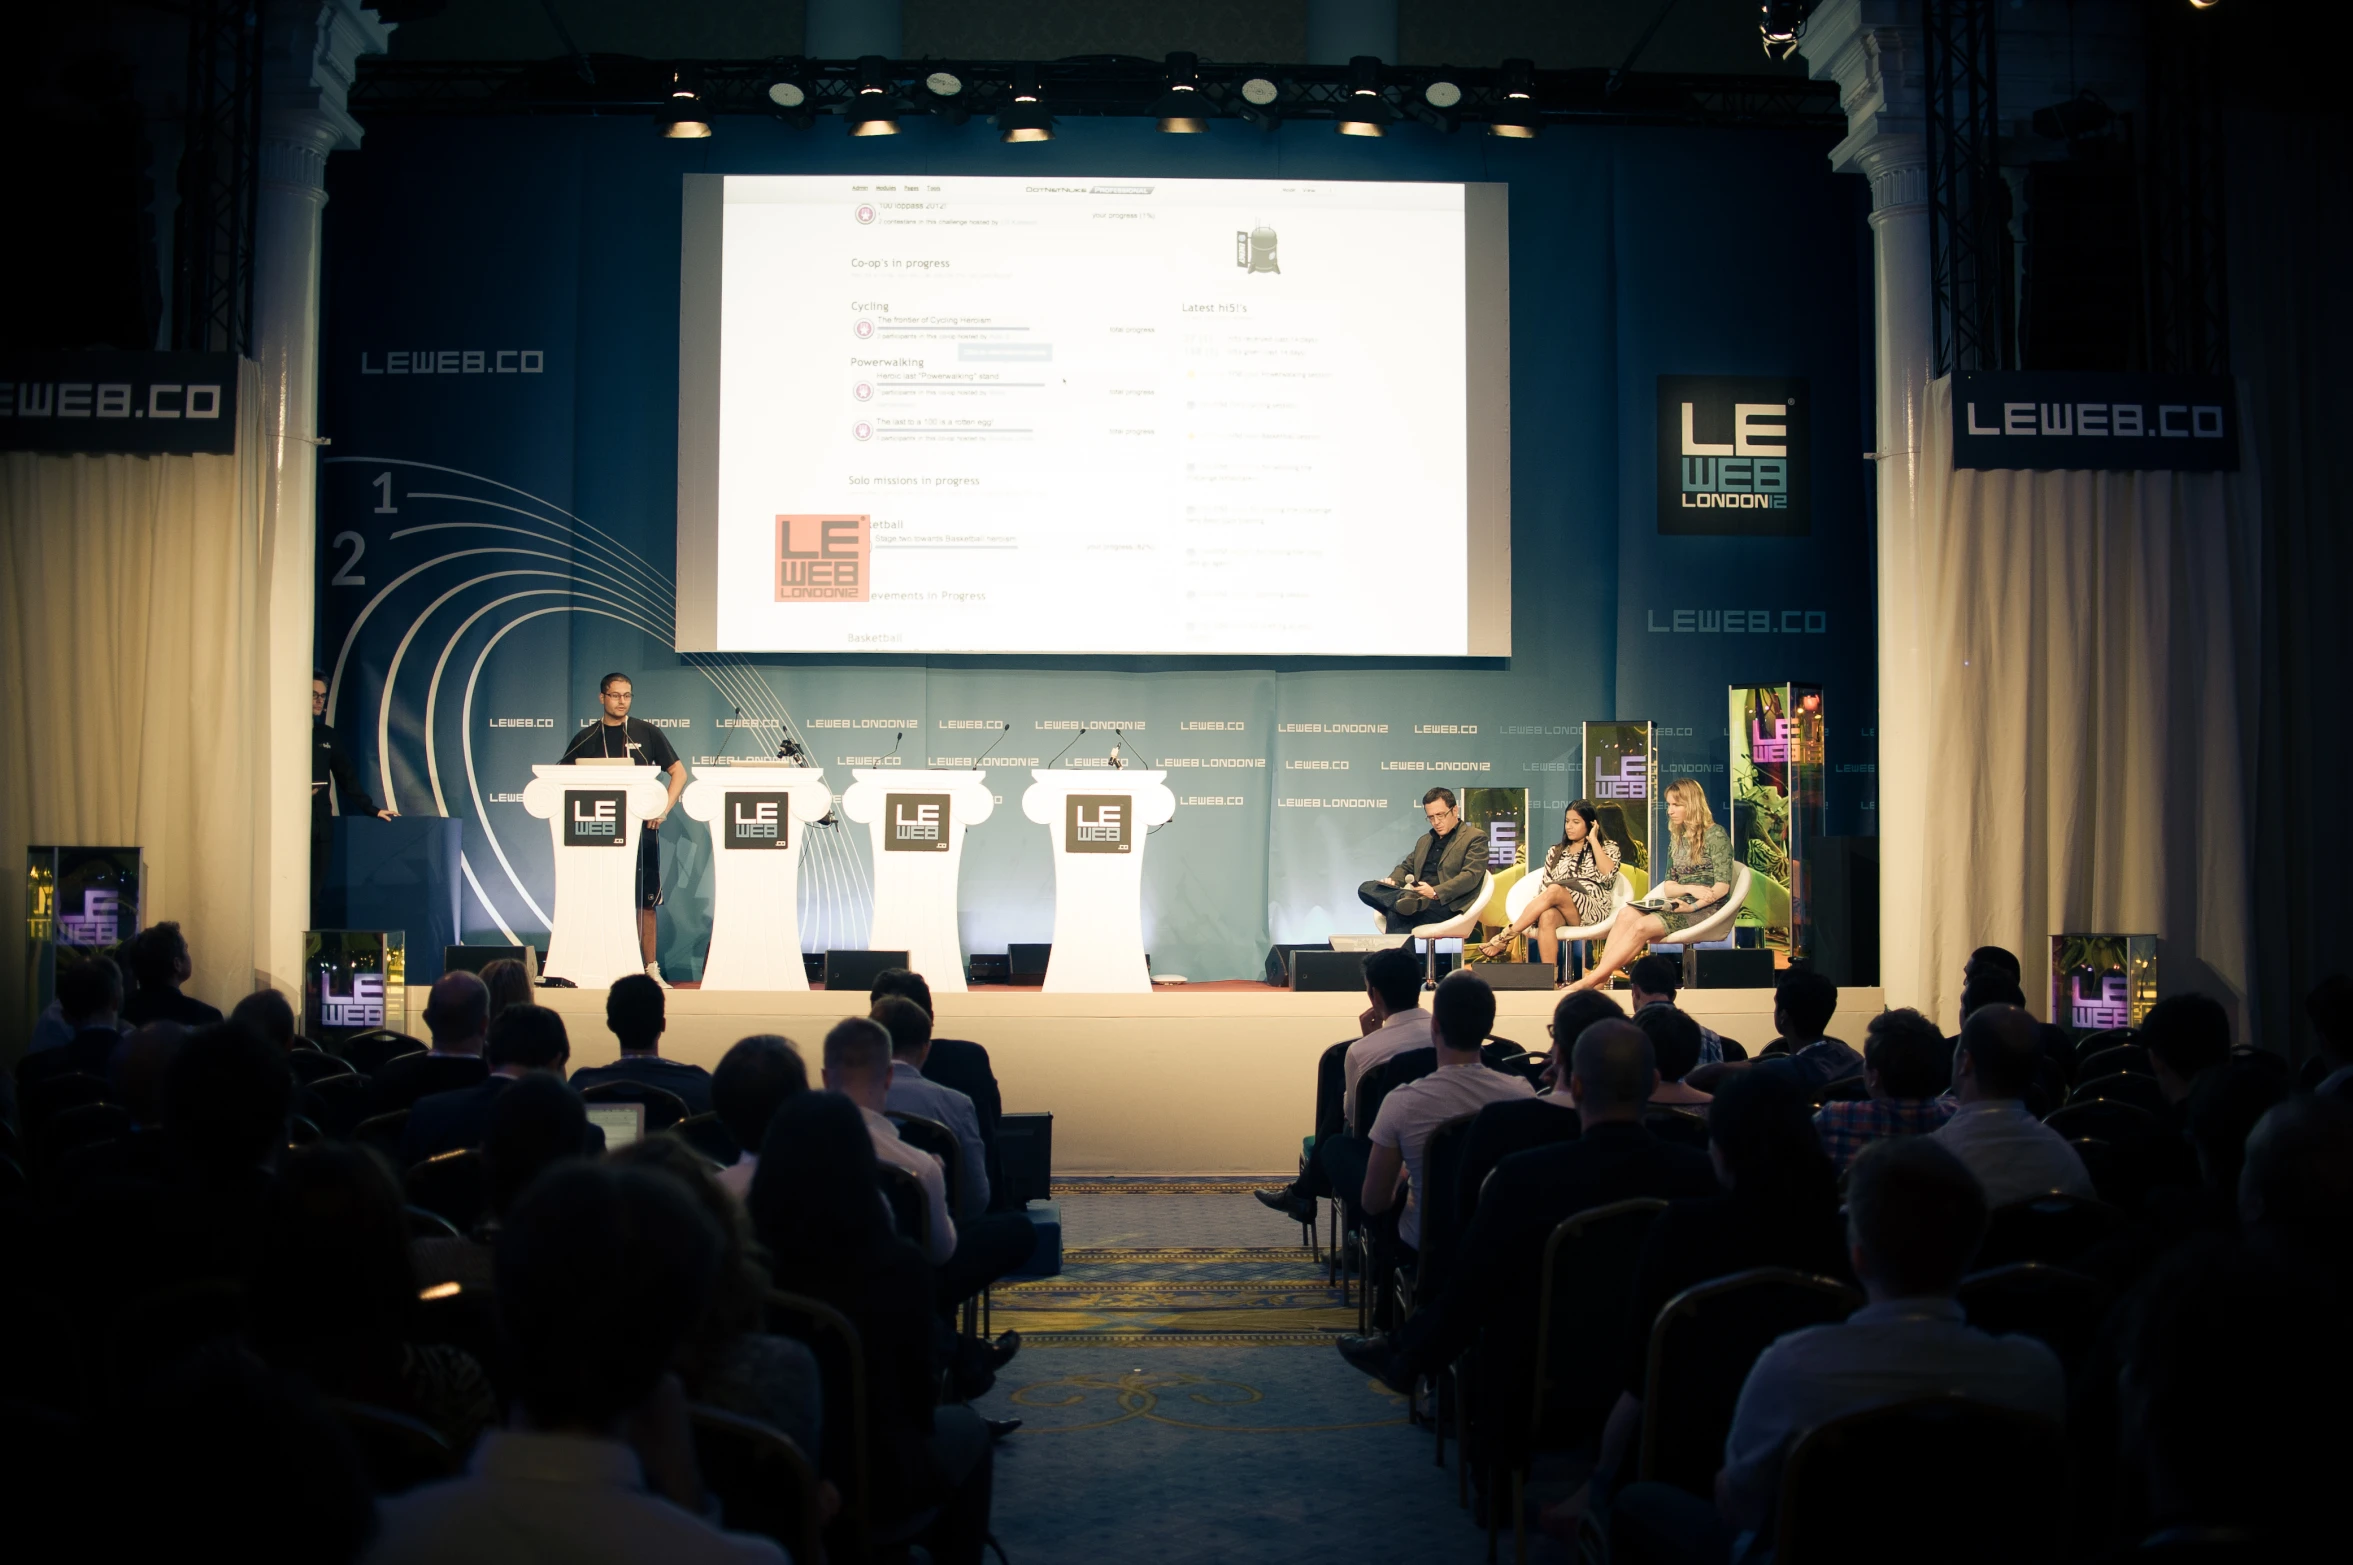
(1577, 876)
(1702, 879)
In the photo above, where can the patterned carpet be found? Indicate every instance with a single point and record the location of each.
(1181, 1400)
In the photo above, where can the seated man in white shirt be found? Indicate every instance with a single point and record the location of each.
(1914, 1219)
(858, 1066)
(1461, 1016)
(909, 1025)
(1391, 1024)
(601, 1274)
(2015, 1156)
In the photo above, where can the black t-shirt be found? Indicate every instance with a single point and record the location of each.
(1429, 869)
(628, 739)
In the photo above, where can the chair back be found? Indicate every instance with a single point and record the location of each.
(1440, 1204)
(707, 1135)
(1847, 1089)
(1385, 1078)
(383, 1132)
(1588, 1283)
(2105, 1119)
(50, 1096)
(85, 1124)
(313, 1065)
(454, 1184)
(2059, 1308)
(424, 1224)
(2092, 1043)
(1855, 1483)
(2128, 1057)
(368, 1052)
(762, 1480)
(663, 1108)
(1702, 1346)
(1331, 1089)
(2053, 1229)
(465, 1318)
(841, 1372)
(2142, 1092)
(303, 1131)
(398, 1452)
(2109, 1173)
(339, 1103)
(1677, 1127)
(929, 1135)
(910, 1209)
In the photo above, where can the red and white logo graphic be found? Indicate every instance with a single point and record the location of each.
(863, 329)
(863, 392)
(865, 213)
(862, 431)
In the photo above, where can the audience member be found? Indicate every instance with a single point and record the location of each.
(1653, 980)
(1907, 1065)
(813, 1205)
(1915, 1216)
(334, 1293)
(525, 1038)
(532, 1125)
(953, 1062)
(730, 1359)
(909, 1026)
(752, 1082)
(1497, 1276)
(267, 1013)
(1461, 1017)
(602, 1274)
(2296, 1189)
(2223, 1112)
(90, 1003)
(857, 1064)
(160, 962)
(457, 1016)
(2330, 1010)
(2186, 1035)
(508, 984)
(1518, 1125)
(142, 1153)
(1391, 1024)
(1803, 1003)
(2014, 1155)
(634, 1010)
(1675, 1044)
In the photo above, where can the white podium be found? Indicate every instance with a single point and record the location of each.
(1097, 821)
(757, 814)
(594, 815)
(916, 821)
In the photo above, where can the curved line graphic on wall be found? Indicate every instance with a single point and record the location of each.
(598, 575)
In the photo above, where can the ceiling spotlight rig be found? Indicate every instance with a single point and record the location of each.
(1782, 24)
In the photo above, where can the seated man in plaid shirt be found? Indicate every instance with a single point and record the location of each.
(1907, 1065)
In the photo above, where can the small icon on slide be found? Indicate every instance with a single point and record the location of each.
(862, 431)
(863, 392)
(865, 213)
(863, 329)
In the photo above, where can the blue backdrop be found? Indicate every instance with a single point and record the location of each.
(497, 519)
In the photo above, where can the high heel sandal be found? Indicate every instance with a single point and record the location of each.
(1491, 949)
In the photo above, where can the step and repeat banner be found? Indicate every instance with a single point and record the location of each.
(498, 516)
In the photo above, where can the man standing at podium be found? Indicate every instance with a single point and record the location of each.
(329, 764)
(620, 737)
(1438, 878)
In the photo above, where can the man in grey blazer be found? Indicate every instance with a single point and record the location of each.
(1439, 877)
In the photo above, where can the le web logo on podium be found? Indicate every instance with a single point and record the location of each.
(1096, 823)
(758, 820)
(362, 1005)
(594, 818)
(918, 823)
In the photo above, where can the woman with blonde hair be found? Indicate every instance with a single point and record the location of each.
(1577, 878)
(1701, 854)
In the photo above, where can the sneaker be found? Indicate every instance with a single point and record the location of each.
(653, 970)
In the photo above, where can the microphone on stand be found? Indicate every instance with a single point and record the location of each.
(993, 743)
(1140, 755)
(1117, 764)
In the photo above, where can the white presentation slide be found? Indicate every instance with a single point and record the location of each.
(1093, 416)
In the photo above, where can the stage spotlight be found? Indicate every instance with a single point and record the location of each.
(1363, 111)
(1182, 111)
(685, 118)
(1258, 103)
(944, 94)
(872, 109)
(1782, 24)
(788, 97)
(1516, 115)
(1439, 104)
(1025, 118)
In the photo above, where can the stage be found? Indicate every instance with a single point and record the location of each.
(1207, 1079)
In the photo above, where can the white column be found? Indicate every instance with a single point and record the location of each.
(1340, 30)
(309, 49)
(1871, 48)
(846, 29)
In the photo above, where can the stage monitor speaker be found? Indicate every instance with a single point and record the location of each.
(1734, 969)
(472, 959)
(813, 967)
(1327, 972)
(1845, 874)
(858, 969)
(1515, 975)
(1278, 960)
(1026, 964)
(1025, 1154)
(986, 968)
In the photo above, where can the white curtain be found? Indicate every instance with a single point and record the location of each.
(134, 606)
(2082, 686)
